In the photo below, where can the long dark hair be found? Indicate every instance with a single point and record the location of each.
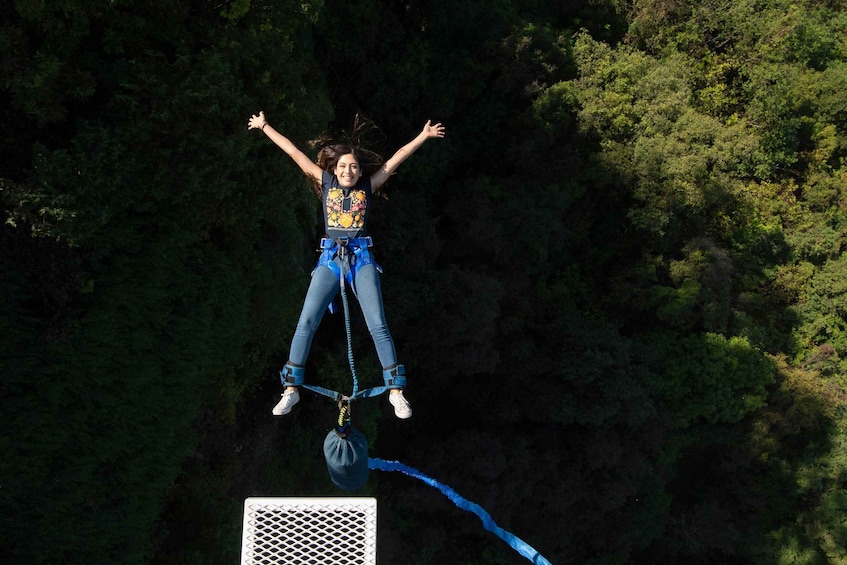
(333, 147)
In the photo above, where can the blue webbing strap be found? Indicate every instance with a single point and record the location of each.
(524, 549)
(324, 391)
(370, 392)
(335, 395)
(395, 377)
(292, 375)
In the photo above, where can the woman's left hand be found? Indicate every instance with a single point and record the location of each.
(257, 122)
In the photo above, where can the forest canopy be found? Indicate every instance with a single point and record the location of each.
(619, 284)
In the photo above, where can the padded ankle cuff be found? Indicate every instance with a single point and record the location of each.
(394, 377)
(291, 375)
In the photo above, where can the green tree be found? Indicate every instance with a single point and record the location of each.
(162, 221)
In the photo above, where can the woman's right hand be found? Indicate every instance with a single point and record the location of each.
(430, 130)
(257, 122)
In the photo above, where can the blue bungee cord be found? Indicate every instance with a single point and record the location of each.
(345, 450)
(523, 548)
(349, 335)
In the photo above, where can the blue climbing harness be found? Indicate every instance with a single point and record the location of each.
(352, 254)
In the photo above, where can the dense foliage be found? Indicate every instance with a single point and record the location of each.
(618, 285)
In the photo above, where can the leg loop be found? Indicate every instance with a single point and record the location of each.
(292, 375)
(394, 377)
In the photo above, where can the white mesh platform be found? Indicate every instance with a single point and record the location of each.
(309, 531)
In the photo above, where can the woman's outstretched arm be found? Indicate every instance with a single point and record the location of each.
(388, 168)
(306, 165)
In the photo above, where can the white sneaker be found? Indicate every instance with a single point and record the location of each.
(289, 399)
(402, 408)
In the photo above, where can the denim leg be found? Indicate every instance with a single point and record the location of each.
(322, 289)
(369, 293)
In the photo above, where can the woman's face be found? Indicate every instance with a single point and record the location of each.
(347, 171)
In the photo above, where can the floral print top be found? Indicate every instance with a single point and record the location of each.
(345, 209)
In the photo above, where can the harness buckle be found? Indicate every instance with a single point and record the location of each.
(342, 246)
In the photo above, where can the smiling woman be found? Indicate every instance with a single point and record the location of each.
(347, 186)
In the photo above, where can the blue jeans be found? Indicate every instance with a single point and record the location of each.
(322, 290)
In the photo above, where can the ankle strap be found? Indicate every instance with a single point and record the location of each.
(292, 375)
(394, 377)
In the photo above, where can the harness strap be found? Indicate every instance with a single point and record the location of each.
(292, 375)
(353, 254)
(337, 396)
(394, 377)
(370, 392)
(327, 243)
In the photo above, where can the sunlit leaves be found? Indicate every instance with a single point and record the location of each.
(711, 377)
(824, 310)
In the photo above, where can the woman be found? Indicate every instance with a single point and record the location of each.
(347, 193)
